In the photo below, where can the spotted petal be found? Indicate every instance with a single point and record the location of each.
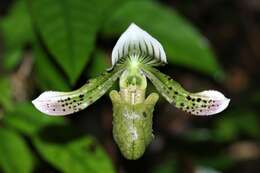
(64, 103)
(202, 103)
(136, 40)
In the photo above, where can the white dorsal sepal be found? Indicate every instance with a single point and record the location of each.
(136, 40)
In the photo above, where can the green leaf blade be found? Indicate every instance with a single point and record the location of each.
(5, 94)
(27, 120)
(68, 31)
(16, 39)
(51, 78)
(183, 43)
(15, 156)
(75, 156)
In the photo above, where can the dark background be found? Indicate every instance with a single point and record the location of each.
(228, 142)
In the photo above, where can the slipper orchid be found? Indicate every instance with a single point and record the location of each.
(134, 58)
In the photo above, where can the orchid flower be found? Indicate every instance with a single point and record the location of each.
(134, 58)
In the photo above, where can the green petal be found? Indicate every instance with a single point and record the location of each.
(207, 102)
(64, 103)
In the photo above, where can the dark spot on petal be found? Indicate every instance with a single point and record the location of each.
(81, 95)
(62, 105)
(66, 104)
(198, 99)
(188, 98)
(182, 104)
(68, 98)
(175, 92)
(193, 99)
(63, 110)
(193, 104)
(144, 114)
(53, 109)
(205, 101)
(74, 100)
(170, 88)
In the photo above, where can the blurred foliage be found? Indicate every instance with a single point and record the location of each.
(70, 41)
(51, 78)
(5, 92)
(175, 33)
(76, 156)
(17, 32)
(169, 166)
(15, 155)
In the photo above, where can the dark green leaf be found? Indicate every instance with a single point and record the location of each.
(54, 141)
(78, 156)
(235, 123)
(68, 28)
(29, 120)
(47, 75)
(255, 97)
(15, 156)
(226, 130)
(169, 166)
(220, 161)
(17, 32)
(182, 42)
(5, 94)
(198, 135)
(99, 63)
(12, 57)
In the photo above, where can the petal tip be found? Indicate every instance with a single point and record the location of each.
(217, 102)
(47, 103)
(133, 26)
(37, 104)
(223, 105)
